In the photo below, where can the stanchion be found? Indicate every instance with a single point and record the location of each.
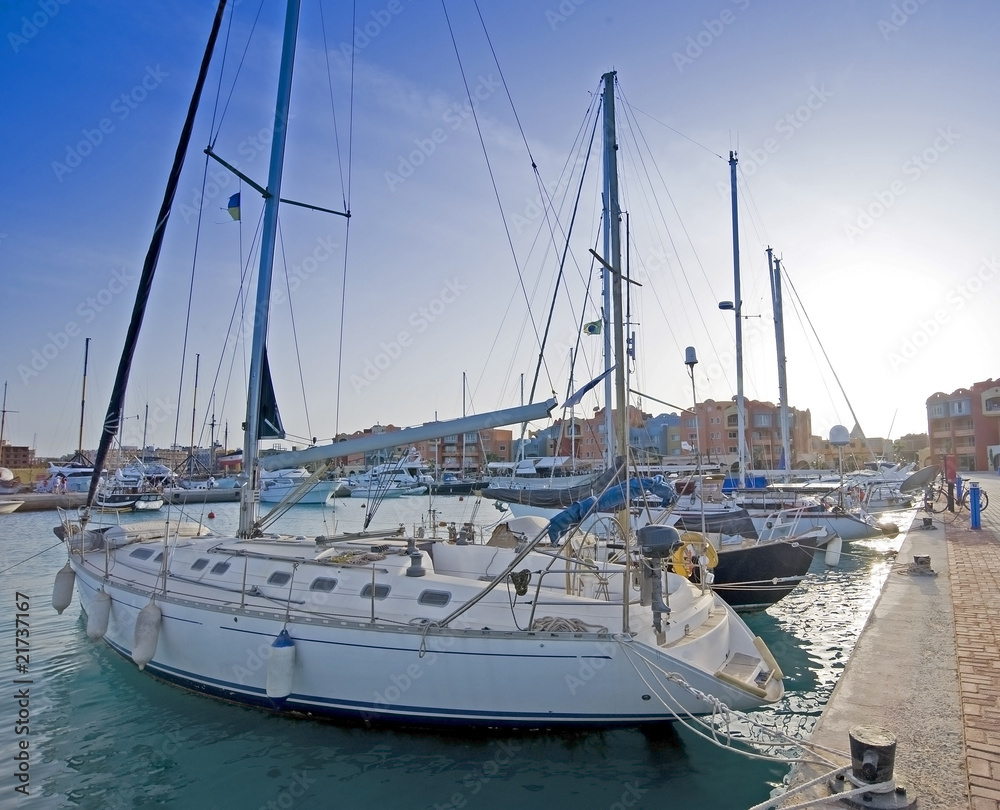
(975, 506)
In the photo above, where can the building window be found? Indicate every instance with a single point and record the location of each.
(936, 411)
(762, 420)
(961, 407)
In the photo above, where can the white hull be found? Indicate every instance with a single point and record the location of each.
(378, 660)
(148, 504)
(847, 527)
(322, 492)
(6, 507)
(375, 491)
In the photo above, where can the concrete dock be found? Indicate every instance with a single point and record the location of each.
(927, 668)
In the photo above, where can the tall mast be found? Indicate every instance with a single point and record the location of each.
(741, 427)
(774, 268)
(194, 411)
(83, 399)
(249, 496)
(615, 437)
(145, 424)
(3, 419)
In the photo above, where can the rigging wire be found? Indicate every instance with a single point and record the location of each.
(347, 229)
(489, 167)
(295, 333)
(639, 138)
(239, 68)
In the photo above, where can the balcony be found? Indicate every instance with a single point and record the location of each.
(965, 432)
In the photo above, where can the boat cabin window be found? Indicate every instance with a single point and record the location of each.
(279, 578)
(324, 584)
(380, 591)
(220, 568)
(142, 553)
(434, 598)
(199, 564)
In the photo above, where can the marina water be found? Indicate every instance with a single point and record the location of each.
(101, 734)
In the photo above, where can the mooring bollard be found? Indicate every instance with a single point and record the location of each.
(975, 506)
(873, 753)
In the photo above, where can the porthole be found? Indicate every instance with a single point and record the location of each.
(324, 584)
(380, 591)
(434, 598)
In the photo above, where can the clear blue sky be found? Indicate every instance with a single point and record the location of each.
(866, 133)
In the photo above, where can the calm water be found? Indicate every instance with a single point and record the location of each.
(103, 735)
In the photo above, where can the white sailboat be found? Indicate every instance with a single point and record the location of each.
(395, 629)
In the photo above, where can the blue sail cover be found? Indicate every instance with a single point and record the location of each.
(611, 500)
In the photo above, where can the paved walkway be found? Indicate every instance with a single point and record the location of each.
(974, 560)
(927, 667)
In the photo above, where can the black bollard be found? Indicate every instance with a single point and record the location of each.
(873, 753)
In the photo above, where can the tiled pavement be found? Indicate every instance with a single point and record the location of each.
(974, 563)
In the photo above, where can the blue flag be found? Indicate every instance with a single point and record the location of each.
(577, 398)
(234, 206)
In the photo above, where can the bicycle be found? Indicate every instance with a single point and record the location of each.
(936, 499)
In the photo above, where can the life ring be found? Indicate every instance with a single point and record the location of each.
(694, 545)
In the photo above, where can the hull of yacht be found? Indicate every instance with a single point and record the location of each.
(846, 526)
(382, 659)
(375, 491)
(320, 493)
(148, 502)
(759, 574)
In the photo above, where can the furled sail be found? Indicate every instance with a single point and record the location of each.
(270, 419)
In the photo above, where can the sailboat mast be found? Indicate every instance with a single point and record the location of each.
(774, 267)
(83, 396)
(194, 413)
(145, 425)
(248, 500)
(613, 285)
(3, 419)
(741, 427)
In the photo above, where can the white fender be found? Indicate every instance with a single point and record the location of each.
(833, 551)
(62, 590)
(98, 615)
(279, 667)
(147, 633)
